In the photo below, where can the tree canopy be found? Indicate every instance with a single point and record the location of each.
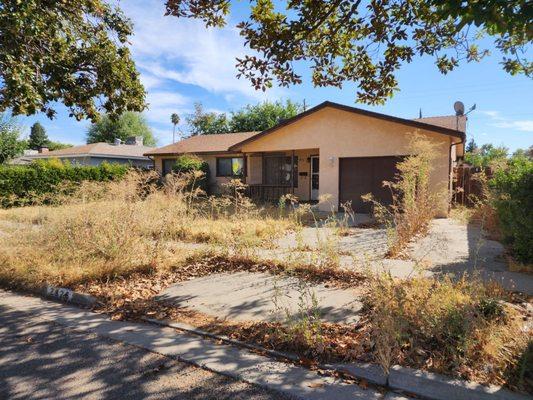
(127, 125)
(262, 116)
(252, 117)
(203, 122)
(73, 52)
(487, 155)
(38, 137)
(367, 42)
(10, 144)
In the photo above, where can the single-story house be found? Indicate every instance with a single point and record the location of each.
(131, 152)
(332, 149)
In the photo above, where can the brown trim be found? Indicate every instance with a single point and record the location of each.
(450, 176)
(292, 172)
(408, 122)
(311, 174)
(230, 158)
(200, 153)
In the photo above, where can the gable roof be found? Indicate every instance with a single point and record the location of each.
(99, 149)
(446, 130)
(215, 143)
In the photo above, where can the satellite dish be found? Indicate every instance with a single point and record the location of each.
(459, 108)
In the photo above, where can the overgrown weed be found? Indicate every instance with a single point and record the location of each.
(461, 327)
(414, 203)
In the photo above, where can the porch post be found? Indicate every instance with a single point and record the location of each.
(292, 172)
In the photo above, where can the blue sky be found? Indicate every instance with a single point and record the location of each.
(182, 62)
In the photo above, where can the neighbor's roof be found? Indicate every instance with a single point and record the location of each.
(98, 150)
(214, 143)
(446, 121)
(409, 122)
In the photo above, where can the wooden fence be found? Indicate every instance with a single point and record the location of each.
(466, 184)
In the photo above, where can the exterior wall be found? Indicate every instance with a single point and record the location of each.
(302, 191)
(254, 169)
(338, 133)
(215, 182)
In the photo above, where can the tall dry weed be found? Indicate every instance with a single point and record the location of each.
(414, 203)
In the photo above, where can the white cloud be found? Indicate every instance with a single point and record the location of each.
(185, 51)
(492, 114)
(162, 104)
(500, 121)
(520, 125)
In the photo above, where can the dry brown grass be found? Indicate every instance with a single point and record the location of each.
(111, 229)
(463, 328)
(414, 204)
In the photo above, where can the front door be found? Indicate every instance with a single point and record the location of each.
(314, 177)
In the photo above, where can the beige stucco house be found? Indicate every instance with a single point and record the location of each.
(331, 149)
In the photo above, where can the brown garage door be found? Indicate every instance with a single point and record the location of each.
(362, 175)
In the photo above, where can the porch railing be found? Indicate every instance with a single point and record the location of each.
(267, 192)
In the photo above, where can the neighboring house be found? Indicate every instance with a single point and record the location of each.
(131, 152)
(330, 149)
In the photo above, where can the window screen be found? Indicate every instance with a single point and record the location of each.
(230, 166)
(167, 165)
(278, 170)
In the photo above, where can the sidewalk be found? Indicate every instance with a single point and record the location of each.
(227, 360)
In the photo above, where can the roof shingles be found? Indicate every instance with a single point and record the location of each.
(203, 144)
(100, 149)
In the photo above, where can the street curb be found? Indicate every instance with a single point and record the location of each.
(193, 330)
(426, 385)
(438, 387)
(68, 296)
(423, 384)
(372, 373)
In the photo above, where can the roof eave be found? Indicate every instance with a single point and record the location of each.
(415, 124)
(193, 152)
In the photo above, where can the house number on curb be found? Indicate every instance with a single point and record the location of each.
(59, 293)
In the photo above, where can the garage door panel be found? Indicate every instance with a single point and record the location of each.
(362, 175)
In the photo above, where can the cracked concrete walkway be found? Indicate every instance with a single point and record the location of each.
(248, 296)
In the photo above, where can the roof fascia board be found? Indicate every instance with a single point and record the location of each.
(408, 122)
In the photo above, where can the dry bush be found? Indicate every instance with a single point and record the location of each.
(483, 213)
(462, 328)
(114, 228)
(414, 204)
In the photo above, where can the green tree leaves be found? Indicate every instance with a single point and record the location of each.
(127, 125)
(73, 52)
(249, 118)
(38, 137)
(10, 145)
(367, 42)
(203, 122)
(262, 116)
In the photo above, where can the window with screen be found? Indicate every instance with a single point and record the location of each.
(230, 166)
(167, 165)
(278, 170)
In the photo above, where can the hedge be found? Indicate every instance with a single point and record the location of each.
(189, 163)
(513, 189)
(26, 184)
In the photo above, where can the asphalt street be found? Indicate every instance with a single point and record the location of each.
(44, 360)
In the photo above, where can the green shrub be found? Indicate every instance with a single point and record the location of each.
(190, 163)
(39, 181)
(512, 188)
